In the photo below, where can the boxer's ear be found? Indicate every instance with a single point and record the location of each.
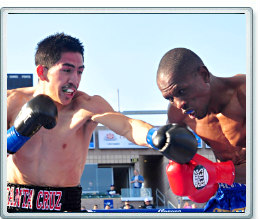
(42, 72)
(203, 71)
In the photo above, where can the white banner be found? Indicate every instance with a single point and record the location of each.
(109, 140)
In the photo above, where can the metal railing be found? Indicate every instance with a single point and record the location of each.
(144, 112)
(136, 194)
(170, 205)
(159, 196)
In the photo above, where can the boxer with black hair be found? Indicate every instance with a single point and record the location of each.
(45, 165)
(215, 108)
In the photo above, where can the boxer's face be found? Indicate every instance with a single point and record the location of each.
(64, 77)
(190, 93)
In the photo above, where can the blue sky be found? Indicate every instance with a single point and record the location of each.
(122, 51)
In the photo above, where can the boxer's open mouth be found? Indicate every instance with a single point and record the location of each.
(69, 89)
(191, 113)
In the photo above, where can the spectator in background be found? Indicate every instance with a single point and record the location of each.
(112, 191)
(127, 205)
(95, 207)
(147, 204)
(193, 205)
(186, 205)
(83, 208)
(90, 186)
(107, 207)
(137, 180)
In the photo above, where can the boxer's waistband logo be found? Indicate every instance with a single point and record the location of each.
(24, 198)
(200, 177)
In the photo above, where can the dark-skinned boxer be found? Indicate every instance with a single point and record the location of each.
(215, 109)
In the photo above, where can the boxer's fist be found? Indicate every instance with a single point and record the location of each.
(39, 111)
(174, 141)
(199, 178)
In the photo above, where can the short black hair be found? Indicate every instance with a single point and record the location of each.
(179, 61)
(49, 50)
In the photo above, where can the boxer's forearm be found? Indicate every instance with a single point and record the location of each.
(240, 173)
(134, 130)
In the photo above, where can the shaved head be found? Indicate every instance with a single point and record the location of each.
(185, 81)
(177, 63)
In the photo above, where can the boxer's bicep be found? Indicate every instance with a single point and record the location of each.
(105, 115)
(137, 132)
(134, 130)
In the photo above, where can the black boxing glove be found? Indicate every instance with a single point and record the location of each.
(175, 142)
(39, 111)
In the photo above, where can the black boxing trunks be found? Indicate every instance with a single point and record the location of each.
(27, 198)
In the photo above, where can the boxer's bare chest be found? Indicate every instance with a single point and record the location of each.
(68, 139)
(224, 132)
(73, 127)
(221, 129)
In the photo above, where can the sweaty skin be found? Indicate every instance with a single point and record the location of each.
(224, 125)
(57, 157)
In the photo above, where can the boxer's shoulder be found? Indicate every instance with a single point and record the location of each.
(240, 78)
(95, 103)
(83, 97)
(20, 93)
(241, 95)
(237, 82)
(16, 98)
(237, 101)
